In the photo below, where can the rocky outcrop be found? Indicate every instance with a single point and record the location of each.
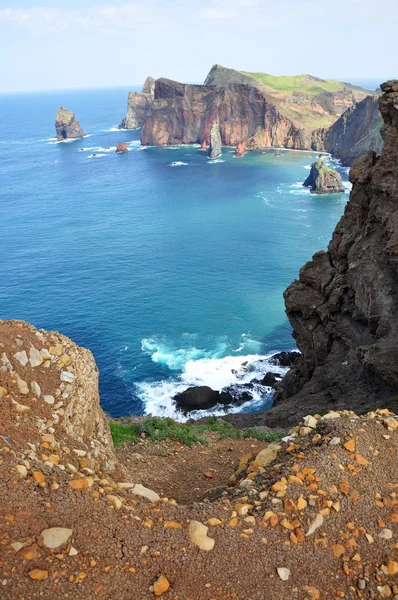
(44, 375)
(184, 114)
(67, 126)
(122, 147)
(354, 133)
(138, 105)
(344, 306)
(323, 180)
(200, 398)
(215, 140)
(241, 148)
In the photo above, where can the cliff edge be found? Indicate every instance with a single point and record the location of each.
(344, 306)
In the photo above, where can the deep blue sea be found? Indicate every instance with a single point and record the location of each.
(170, 267)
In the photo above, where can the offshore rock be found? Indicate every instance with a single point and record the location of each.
(241, 148)
(67, 126)
(138, 104)
(344, 306)
(323, 180)
(199, 398)
(215, 140)
(122, 147)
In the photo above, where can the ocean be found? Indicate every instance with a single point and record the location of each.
(169, 266)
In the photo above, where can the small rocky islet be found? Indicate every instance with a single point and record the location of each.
(67, 127)
(323, 180)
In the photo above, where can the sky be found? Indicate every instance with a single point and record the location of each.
(103, 43)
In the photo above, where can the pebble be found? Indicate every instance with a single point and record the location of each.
(21, 357)
(361, 584)
(22, 385)
(198, 536)
(35, 358)
(310, 421)
(335, 441)
(317, 522)
(161, 586)
(22, 470)
(385, 534)
(140, 490)
(49, 399)
(19, 408)
(54, 537)
(115, 500)
(38, 574)
(283, 573)
(67, 376)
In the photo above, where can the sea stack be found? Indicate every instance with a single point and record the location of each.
(138, 105)
(122, 147)
(215, 140)
(241, 148)
(323, 180)
(67, 127)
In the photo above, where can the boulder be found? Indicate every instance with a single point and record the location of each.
(241, 148)
(122, 147)
(323, 180)
(200, 398)
(67, 127)
(285, 358)
(215, 140)
(270, 379)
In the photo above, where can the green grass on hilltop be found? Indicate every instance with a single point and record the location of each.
(296, 83)
(158, 429)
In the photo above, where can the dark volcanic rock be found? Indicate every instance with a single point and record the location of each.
(67, 126)
(200, 398)
(354, 133)
(138, 105)
(270, 379)
(215, 140)
(285, 358)
(344, 306)
(323, 180)
(122, 147)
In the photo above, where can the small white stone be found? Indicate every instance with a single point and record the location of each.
(283, 573)
(22, 470)
(67, 376)
(317, 522)
(49, 399)
(335, 441)
(45, 354)
(385, 534)
(73, 551)
(34, 386)
(310, 421)
(19, 408)
(140, 490)
(22, 385)
(54, 537)
(17, 546)
(21, 357)
(35, 358)
(331, 415)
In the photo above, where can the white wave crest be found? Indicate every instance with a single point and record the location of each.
(215, 161)
(95, 155)
(178, 163)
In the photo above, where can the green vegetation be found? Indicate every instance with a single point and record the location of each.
(296, 83)
(158, 429)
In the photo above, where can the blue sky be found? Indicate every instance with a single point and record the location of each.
(67, 44)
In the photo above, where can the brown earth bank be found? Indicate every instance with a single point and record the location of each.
(311, 517)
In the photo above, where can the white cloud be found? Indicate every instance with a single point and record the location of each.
(125, 17)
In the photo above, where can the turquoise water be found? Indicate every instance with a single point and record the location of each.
(168, 266)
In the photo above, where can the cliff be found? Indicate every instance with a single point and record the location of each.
(306, 513)
(344, 306)
(323, 180)
(138, 105)
(67, 126)
(354, 133)
(183, 114)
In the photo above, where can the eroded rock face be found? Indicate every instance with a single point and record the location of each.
(323, 180)
(67, 126)
(138, 105)
(56, 383)
(241, 148)
(344, 306)
(354, 133)
(184, 114)
(122, 147)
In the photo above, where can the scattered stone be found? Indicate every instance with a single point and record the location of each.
(161, 586)
(21, 357)
(38, 574)
(54, 537)
(19, 408)
(22, 385)
(283, 573)
(49, 399)
(115, 500)
(335, 441)
(34, 386)
(310, 421)
(22, 470)
(67, 376)
(198, 536)
(385, 534)
(140, 490)
(318, 522)
(35, 358)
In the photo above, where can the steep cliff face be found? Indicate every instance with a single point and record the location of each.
(354, 133)
(344, 306)
(67, 126)
(184, 114)
(138, 105)
(49, 386)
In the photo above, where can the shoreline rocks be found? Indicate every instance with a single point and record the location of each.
(121, 147)
(323, 180)
(215, 140)
(241, 148)
(67, 126)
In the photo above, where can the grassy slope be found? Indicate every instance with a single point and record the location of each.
(296, 83)
(156, 429)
